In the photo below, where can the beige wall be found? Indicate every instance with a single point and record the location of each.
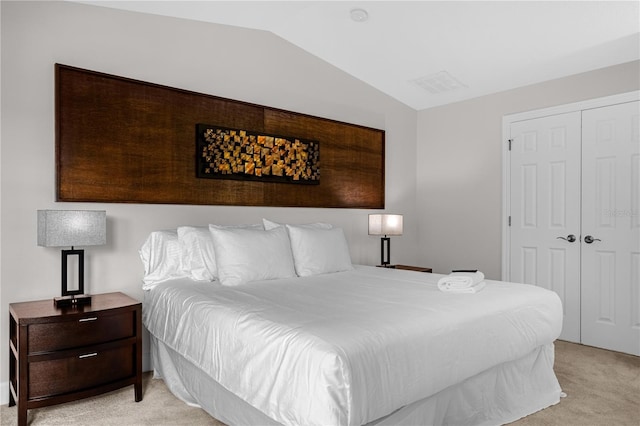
(459, 176)
(453, 222)
(241, 64)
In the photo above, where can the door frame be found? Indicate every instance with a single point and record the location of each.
(509, 119)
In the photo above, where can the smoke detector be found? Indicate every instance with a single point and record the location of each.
(359, 15)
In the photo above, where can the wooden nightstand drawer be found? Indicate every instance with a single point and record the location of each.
(88, 330)
(82, 370)
(61, 354)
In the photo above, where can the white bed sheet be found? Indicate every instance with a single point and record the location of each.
(351, 347)
(502, 394)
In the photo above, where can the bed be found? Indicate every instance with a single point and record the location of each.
(277, 327)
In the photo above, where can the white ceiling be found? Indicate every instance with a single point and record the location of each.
(487, 47)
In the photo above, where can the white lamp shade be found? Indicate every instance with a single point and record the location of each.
(67, 228)
(385, 224)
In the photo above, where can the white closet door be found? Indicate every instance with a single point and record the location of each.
(611, 216)
(545, 210)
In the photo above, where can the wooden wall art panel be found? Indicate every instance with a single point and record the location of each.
(127, 141)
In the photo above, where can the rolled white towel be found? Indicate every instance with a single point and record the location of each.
(460, 280)
(473, 289)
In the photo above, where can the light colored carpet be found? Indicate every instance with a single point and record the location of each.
(117, 408)
(603, 388)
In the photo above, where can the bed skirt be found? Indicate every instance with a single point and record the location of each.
(500, 395)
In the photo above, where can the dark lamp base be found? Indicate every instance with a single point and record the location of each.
(75, 300)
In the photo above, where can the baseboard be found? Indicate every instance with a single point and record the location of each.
(146, 361)
(4, 393)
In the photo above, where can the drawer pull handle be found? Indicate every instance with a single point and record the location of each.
(87, 319)
(88, 355)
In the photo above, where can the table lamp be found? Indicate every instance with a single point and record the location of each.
(385, 224)
(70, 228)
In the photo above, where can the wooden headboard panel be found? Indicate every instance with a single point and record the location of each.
(127, 141)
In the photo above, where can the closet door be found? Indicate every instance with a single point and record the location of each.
(545, 210)
(611, 227)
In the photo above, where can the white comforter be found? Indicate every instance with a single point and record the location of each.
(349, 347)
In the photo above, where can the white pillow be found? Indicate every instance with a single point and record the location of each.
(319, 251)
(161, 257)
(198, 258)
(244, 255)
(198, 255)
(319, 225)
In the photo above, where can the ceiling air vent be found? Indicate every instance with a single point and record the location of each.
(439, 83)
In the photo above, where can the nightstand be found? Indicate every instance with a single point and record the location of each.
(407, 267)
(63, 354)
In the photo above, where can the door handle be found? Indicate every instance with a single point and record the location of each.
(571, 238)
(589, 239)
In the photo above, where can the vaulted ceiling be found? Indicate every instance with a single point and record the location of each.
(430, 53)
